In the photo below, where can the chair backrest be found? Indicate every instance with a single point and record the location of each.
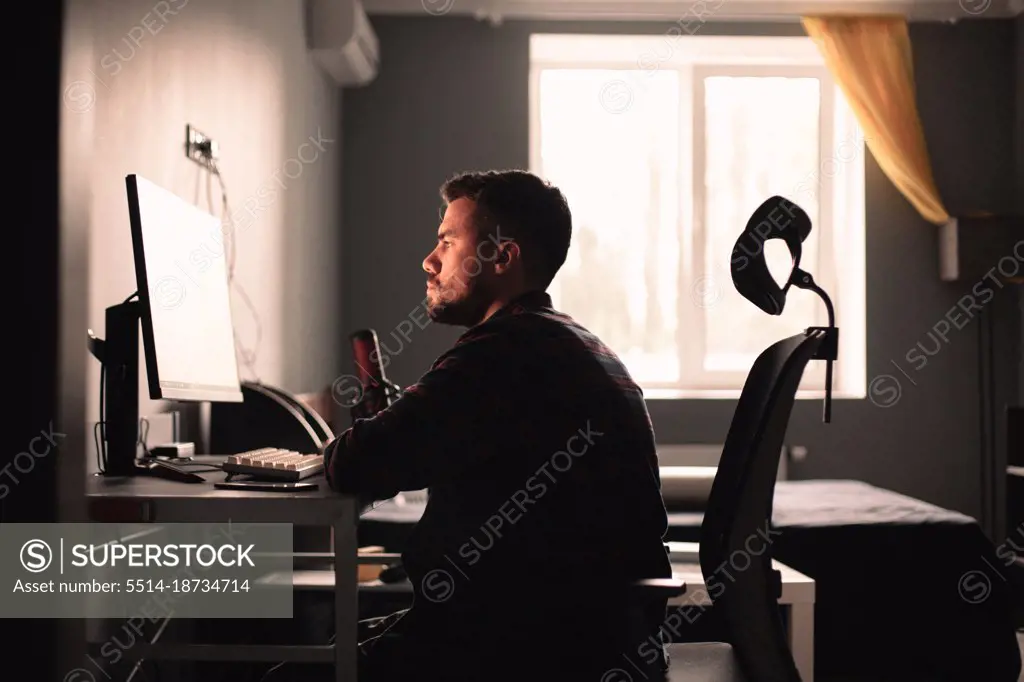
(736, 534)
(735, 539)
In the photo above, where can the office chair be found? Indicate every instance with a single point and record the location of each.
(735, 552)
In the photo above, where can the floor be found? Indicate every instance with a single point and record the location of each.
(697, 677)
(690, 678)
(1020, 645)
(1020, 678)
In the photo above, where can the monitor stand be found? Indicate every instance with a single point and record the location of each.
(119, 358)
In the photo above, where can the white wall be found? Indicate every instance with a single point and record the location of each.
(238, 71)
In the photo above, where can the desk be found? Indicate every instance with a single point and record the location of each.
(797, 598)
(154, 500)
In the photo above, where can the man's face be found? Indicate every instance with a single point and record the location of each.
(458, 273)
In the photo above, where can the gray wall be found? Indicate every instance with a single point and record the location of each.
(240, 73)
(452, 95)
(1019, 123)
(1019, 136)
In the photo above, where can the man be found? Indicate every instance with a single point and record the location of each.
(538, 452)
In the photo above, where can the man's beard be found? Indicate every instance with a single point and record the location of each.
(458, 308)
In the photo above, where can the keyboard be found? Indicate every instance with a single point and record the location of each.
(274, 464)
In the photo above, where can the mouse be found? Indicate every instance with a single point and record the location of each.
(394, 573)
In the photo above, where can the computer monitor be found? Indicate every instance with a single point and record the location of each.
(184, 297)
(182, 304)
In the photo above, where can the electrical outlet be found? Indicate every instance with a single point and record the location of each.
(200, 148)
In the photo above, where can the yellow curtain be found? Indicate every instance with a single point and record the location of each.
(871, 61)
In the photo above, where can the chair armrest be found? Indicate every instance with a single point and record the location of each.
(655, 588)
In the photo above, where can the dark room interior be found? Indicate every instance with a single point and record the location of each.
(304, 150)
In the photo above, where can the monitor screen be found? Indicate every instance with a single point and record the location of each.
(183, 290)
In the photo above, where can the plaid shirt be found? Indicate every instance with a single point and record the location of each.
(539, 456)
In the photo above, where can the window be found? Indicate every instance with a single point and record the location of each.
(664, 147)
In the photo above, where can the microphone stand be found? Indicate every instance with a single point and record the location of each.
(829, 348)
(376, 397)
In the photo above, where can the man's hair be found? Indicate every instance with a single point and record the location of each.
(524, 208)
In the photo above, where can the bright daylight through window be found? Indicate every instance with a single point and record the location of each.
(664, 146)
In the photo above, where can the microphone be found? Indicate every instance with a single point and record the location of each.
(377, 392)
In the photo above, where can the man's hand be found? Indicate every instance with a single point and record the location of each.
(428, 434)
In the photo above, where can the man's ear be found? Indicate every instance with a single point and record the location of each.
(507, 253)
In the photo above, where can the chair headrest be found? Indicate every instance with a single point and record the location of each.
(776, 218)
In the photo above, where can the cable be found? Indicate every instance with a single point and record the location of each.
(147, 453)
(138, 664)
(101, 446)
(247, 356)
(144, 436)
(144, 440)
(137, 670)
(226, 208)
(276, 666)
(96, 438)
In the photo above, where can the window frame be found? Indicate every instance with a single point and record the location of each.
(841, 242)
(693, 317)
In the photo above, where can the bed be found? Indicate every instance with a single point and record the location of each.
(904, 588)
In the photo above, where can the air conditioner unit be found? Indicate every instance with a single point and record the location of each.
(341, 40)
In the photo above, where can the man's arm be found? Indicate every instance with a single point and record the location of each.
(433, 430)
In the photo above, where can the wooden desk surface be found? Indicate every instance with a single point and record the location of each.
(147, 499)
